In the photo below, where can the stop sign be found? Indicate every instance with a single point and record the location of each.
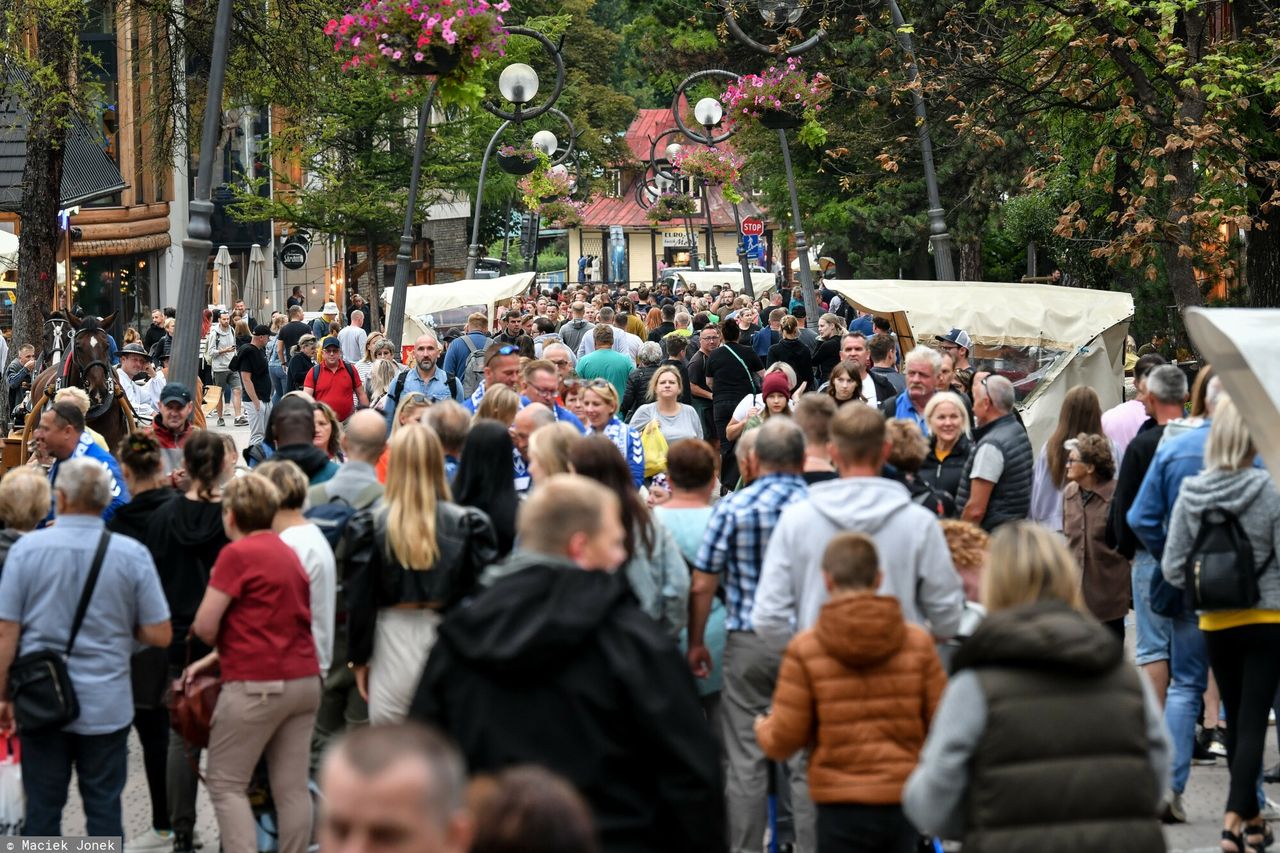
(753, 226)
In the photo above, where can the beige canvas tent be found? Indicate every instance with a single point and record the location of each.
(1242, 346)
(435, 306)
(761, 282)
(1047, 339)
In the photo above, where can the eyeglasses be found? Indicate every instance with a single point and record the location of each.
(1075, 461)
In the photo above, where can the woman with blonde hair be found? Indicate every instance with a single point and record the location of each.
(24, 503)
(675, 420)
(600, 407)
(499, 403)
(407, 560)
(1242, 635)
(1041, 693)
(831, 329)
(382, 375)
(328, 432)
(364, 367)
(409, 410)
(949, 443)
(549, 450)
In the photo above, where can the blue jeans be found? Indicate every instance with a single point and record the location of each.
(279, 382)
(1188, 678)
(1154, 631)
(101, 763)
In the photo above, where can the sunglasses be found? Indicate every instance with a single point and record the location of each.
(507, 349)
(415, 398)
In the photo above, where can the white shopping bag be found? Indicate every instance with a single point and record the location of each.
(12, 800)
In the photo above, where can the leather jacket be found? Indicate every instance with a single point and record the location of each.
(373, 579)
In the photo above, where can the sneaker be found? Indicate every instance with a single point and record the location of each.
(1272, 774)
(221, 421)
(242, 421)
(182, 842)
(1200, 753)
(151, 841)
(1218, 742)
(196, 841)
(1173, 810)
(1270, 810)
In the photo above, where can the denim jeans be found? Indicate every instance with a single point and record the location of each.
(1153, 630)
(279, 382)
(101, 763)
(1188, 678)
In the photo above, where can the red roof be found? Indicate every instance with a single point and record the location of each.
(624, 211)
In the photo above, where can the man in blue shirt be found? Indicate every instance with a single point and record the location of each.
(455, 358)
(426, 378)
(44, 578)
(61, 434)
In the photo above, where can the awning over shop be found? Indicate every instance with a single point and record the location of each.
(87, 172)
(429, 306)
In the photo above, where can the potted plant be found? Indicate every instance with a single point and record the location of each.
(519, 160)
(712, 166)
(543, 186)
(782, 97)
(450, 40)
(562, 213)
(670, 206)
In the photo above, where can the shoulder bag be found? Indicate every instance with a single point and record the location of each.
(755, 380)
(44, 699)
(191, 704)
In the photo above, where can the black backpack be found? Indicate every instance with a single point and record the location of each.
(332, 514)
(397, 390)
(1220, 573)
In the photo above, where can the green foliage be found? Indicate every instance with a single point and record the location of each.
(551, 261)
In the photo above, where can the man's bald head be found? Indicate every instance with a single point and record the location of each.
(365, 437)
(528, 421)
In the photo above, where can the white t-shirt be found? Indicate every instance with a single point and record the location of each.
(869, 390)
(316, 557)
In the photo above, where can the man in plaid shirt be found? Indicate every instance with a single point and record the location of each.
(734, 546)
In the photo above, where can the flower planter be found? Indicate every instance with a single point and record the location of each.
(780, 119)
(436, 62)
(516, 165)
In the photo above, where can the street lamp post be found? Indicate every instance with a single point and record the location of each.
(404, 257)
(673, 151)
(183, 364)
(708, 112)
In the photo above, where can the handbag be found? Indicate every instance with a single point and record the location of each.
(755, 380)
(44, 699)
(655, 449)
(191, 703)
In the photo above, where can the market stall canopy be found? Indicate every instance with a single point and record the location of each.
(434, 306)
(1047, 339)
(761, 282)
(1242, 346)
(88, 173)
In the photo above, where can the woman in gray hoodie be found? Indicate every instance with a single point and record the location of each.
(1244, 645)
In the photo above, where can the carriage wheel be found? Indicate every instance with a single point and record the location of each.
(28, 426)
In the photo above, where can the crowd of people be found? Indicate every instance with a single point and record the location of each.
(638, 571)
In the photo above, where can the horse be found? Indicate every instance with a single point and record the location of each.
(83, 361)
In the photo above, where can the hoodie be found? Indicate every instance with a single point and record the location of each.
(914, 557)
(557, 666)
(185, 541)
(1251, 497)
(863, 686)
(318, 467)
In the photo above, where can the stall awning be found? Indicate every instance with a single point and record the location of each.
(87, 172)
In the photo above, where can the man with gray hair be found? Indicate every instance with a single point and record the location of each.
(921, 368)
(401, 782)
(996, 484)
(733, 552)
(47, 574)
(531, 418)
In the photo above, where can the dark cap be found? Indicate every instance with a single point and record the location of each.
(261, 329)
(133, 349)
(959, 337)
(330, 341)
(175, 391)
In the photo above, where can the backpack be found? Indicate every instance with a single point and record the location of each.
(1219, 572)
(332, 514)
(473, 370)
(315, 377)
(398, 389)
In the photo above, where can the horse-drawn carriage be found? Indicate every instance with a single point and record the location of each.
(77, 353)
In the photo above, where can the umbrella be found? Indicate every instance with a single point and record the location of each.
(255, 279)
(222, 277)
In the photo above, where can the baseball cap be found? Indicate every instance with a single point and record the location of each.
(330, 341)
(261, 329)
(959, 337)
(175, 392)
(133, 349)
(330, 308)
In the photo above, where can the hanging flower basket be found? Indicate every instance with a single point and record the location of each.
(713, 165)
(519, 161)
(562, 213)
(781, 98)
(451, 40)
(670, 206)
(544, 186)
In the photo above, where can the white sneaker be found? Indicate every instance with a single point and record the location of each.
(151, 841)
(1270, 810)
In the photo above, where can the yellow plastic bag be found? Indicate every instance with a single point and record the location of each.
(655, 449)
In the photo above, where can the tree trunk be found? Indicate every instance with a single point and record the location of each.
(374, 304)
(971, 259)
(49, 111)
(1262, 257)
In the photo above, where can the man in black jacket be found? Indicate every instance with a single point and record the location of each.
(556, 665)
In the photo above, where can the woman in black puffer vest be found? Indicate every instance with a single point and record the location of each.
(1040, 695)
